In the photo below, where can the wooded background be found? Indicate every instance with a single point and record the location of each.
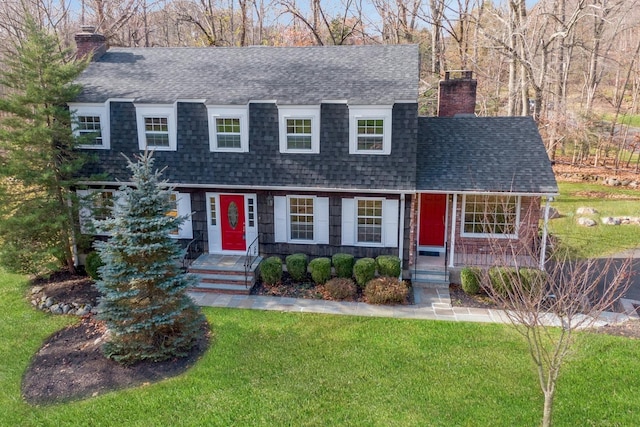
(571, 64)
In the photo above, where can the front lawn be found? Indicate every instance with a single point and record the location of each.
(600, 240)
(272, 368)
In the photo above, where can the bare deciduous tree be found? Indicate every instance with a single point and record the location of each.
(547, 308)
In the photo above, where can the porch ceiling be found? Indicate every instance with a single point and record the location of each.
(483, 154)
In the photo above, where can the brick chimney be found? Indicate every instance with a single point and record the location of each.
(88, 42)
(457, 94)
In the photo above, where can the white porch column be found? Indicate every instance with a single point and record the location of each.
(545, 224)
(401, 234)
(452, 240)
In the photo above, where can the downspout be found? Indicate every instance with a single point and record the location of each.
(401, 238)
(545, 223)
(454, 215)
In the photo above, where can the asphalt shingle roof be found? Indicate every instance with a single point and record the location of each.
(365, 75)
(488, 154)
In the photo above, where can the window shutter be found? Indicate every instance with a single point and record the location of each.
(348, 221)
(84, 213)
(321, 218)
(280, 218)
(184, 210)
(390, 223)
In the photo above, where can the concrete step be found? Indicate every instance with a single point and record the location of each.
(434, 278)
(223, 288)
(226, 278)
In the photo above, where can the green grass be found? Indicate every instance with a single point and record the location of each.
(602, 239)
(278, 369)
(626, 119)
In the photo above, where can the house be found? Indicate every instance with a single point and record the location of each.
(319, 150)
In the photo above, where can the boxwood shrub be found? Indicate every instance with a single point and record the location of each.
(343, 263)
(470, 280)
(388, 265)
(320, 269)
(502, 279)
(271, 270)
(92, 264)
(532, 279)
(297, 266)
(364, 270)
(386, 290)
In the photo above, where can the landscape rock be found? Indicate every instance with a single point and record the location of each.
(586, 211)
(586, 222)
(608, 220)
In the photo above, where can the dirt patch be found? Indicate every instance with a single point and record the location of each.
(460, 298)
(605, 195)
(70, 364)
(628, 329)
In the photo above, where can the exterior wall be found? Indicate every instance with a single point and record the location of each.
(479, 247)
(264, 165)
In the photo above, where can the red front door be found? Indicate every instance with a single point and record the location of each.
(232, 218)
(433, 208)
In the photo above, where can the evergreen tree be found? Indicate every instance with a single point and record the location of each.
(37, 160)
(144, 301)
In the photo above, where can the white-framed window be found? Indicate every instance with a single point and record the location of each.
(95, 205)
(370, 221)
(156, 127)
(490, 216)
(228, 128)
(181, 206)
(299, 129)
(90, 122)
(301, 219)
(370, 129)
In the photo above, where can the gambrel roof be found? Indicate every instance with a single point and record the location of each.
(359, 75)
(482, 154)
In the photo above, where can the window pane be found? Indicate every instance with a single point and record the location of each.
(157, 140)
(173, 212)
(490, 214)
(228, 141)
(299, 142)
(103, 205)
(299, 134)
(157, 124)
(301, 218)
(157, 131)
(369, 221)
(90, 125)
(212, 202)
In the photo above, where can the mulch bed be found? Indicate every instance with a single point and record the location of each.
(460, 298)
(70, 364)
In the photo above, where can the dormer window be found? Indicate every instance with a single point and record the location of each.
(156, 127)
(299, 129)
(228, 128)
(370, 129)
(91, 125)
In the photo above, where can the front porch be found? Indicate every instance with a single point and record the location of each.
(228, 274)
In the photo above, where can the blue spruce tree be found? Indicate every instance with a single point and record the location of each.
(144, 302)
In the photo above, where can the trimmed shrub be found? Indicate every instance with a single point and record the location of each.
(388, 265)
(297, 266)
(502, 279)
(386, 290)
(92, 264)
(532, 279)
(343, 263)
(364, 270)
(340, 288)
(320, 270)
(470, 278)
(271, 270)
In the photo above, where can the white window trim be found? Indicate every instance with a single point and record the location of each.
(99, 110)
(390, 223)
(228, 112)
(372, 112)
(490, 235)
(159, 110)
(282, 219)
(300, 112)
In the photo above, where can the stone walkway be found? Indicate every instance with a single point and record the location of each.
(430, 304)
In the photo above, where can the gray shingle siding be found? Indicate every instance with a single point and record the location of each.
(264, 165)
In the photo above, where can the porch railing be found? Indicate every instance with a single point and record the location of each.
(250, 257)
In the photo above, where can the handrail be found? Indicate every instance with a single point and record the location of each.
(250, 257)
